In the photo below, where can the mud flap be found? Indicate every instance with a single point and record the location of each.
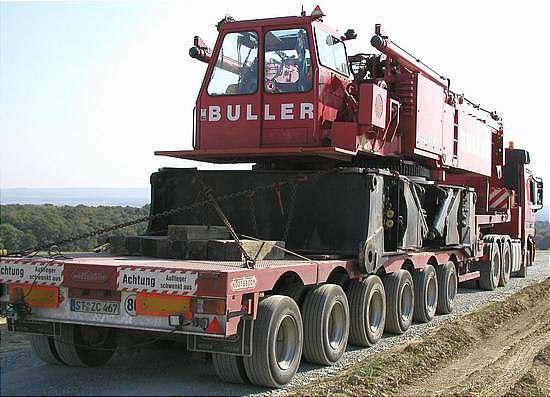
(240, 344)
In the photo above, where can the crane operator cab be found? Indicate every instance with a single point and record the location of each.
(270, 88)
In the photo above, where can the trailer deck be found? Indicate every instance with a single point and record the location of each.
(142, 292)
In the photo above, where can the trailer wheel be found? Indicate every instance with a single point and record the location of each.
(506, 265)
(367, 306)
(447, 287)
(490, 271)
(44, 348)
(296, 291)
(326, 324)
(399, 301)
(85, 346)
(229, 368)
(425, 293)
(276, 343)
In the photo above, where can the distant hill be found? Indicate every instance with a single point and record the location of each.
(133, 197)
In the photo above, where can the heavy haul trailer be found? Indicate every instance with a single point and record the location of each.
(375, 191)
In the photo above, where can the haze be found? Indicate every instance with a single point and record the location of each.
(89, 90)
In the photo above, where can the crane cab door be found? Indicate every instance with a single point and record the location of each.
(288, 96)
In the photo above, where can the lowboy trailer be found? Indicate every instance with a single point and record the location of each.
(375, 191)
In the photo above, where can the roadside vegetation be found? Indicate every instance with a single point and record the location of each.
(24, 226)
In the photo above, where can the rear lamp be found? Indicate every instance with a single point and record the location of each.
(208, 306)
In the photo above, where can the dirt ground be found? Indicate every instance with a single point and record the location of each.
(502, 349)
(11, 342)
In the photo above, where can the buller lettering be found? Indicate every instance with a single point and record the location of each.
(287, 111)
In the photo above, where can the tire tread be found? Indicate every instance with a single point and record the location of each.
(229, 368)
(43, 346)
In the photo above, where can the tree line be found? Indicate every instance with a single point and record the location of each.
(24, 226)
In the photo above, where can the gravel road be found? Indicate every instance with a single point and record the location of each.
(155, 371)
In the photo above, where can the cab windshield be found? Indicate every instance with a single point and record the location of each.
(236, 70)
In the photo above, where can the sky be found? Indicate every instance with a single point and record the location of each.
(89, 90)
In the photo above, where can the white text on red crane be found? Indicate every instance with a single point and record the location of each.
(287, 111)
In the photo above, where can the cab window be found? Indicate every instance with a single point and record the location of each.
(287, 61)
(236, 70)
(331, 51)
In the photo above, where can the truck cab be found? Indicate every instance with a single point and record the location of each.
(528, 198)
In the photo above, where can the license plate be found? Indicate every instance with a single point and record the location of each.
(96, 307)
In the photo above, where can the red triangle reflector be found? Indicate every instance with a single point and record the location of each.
(214, 327)
(317, 12)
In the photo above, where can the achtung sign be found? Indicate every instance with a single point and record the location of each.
(166, 281)
(29, 272)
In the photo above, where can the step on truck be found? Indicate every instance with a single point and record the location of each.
(375, 192)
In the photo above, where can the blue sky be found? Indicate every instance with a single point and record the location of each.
(88, 90)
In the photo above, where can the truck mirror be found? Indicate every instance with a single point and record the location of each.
(349, 35)
(539, 187)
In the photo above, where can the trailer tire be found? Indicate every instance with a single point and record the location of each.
(399, 301)
(43, 347)
(274, 362)
(490, 271)
(506, 264)
(76, 351)
(425, 293)
(367, 306)
(229, 368)
(447, 285)
(295, 291)
(326, 324)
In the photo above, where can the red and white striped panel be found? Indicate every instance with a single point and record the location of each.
(499, 199)
(163, 281)
(31, 271)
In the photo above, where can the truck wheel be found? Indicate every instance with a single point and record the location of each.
(44, 348)
(506, 265)
(276, 343)
(425, 293)
(447, 286)
(326, 324)
(367, 306)
(229, 368)
(399, 301)
(85, 346)
(490, 271)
